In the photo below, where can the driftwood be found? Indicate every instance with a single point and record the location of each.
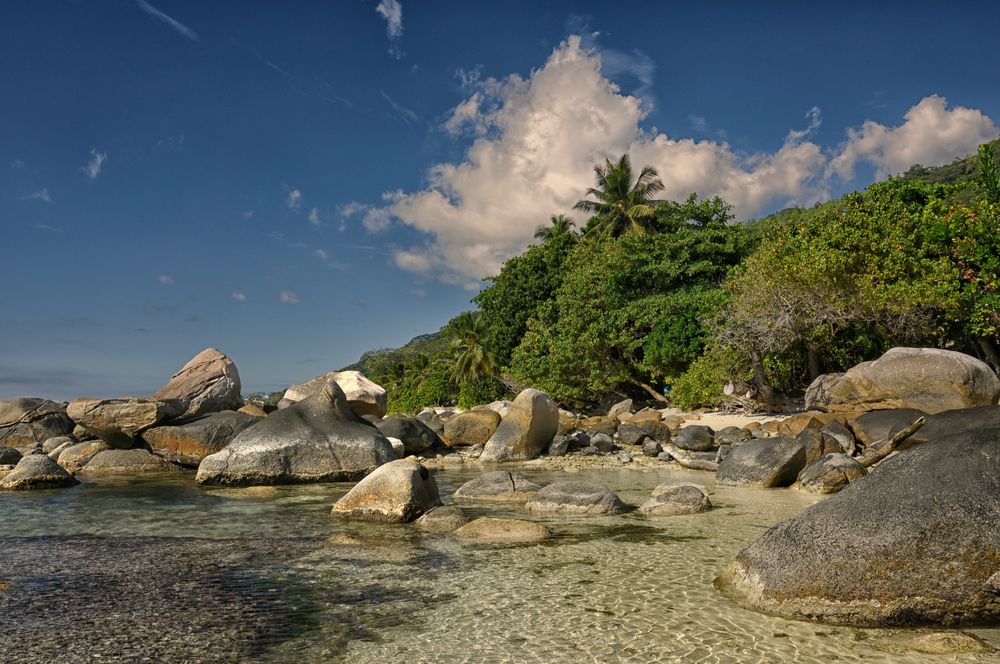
(882, 449)
(689, 460)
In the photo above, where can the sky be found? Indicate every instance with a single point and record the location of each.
(297, 182)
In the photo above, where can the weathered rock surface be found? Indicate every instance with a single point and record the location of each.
(473, 427)
(817, 444)
(187, 442)
(927, 379)
(837, 433)
(764, 462)
(9, 456)
(36, 471)
(208, 383)
(25, 422)
(829, 474)
(695, 438)
(77, 456)
(127, 462)
(571, 498)
(487, 530)
(527, 430)
(621, 408)
(442, 520)
(914, 543)
(501, 407)
(498, 486)
(397, 492)
(879, 425)
(953, 421)
(675, 500)
(416, 436)
(598, 424)
(630, 434)
(364, 396)
(119, 422)
(50, 444)
(319, 439)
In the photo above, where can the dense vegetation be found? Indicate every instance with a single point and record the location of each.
(661, 296)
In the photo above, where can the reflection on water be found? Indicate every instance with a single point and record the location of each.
(159, 568)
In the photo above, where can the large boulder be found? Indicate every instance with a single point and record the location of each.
(879, 425)
(696, 438)
(77, 456)
(127, 462)
(583, 498)
(208, 383)
(527, 430)
(364, 396)
(187, 442)
(397, 492)
(927, 379)
(473, 427)
(36, 471)
(319, 439)
(955, 421)
(829, 474)
(416, 436)
(488, 530)
(25, 422)
(498, 486)
(915, 542)
(765, 463)
(119, 422)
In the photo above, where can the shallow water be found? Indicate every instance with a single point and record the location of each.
(158, 568)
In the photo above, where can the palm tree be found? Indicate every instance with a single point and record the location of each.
(622, 206)
(470, 358)
(559, 225)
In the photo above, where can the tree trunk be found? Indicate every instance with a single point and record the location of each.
(651, 391)
(989, 348)
(812, 353)
(765, 393)
(879, 451)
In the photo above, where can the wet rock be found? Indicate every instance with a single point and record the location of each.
(829, 474)
(397, 492)
(630, 434)
(119, 422)
(127, 462)
(947, 643)
(927, 379)
(498, 486)
(914, 543)
(363, 396)
(77, 456)
(442, 520)
(527, 430)
(603, 442)
(208, 383)
(319, 439)
(187, 442)
(765, 462)
(36, 471)
(417, 437)
(695, 438)
(25, 422)
(9, 456)
(487, 530)
(473, 427)
(670, 500)
(651, 448)
(572, 498)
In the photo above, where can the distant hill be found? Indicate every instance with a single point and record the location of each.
(371, 361)
(962, 171)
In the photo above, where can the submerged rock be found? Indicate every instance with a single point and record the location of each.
(119, 422)
(363, 395)
(763, 462)
(442, 520)
(127, 462)
(36, 471)
(487, 530)
(527, 430)
(498, 486)
(187, 442)
(397, 492)
(573, 498)
(208, 383)
(675, 500)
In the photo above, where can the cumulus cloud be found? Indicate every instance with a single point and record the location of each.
(288, 297)
(392, 12)
(165, 280)
(93, 167)
(294, 200)
(931, 134)
(238, 296)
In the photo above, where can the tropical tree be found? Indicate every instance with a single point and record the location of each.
(989, 178)
(559, 225)
(470, 359)
(623, 204)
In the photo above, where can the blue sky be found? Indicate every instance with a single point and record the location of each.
(298, 182)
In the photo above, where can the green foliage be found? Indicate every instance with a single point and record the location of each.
(622, 205)
(470, 358)
(482, 390)
(989, 178)
(702, 383)
(433, 387)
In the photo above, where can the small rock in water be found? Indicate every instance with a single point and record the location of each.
(442, 520)
(948, 643)
(575, 498)
(498, 486)
(488, 530)
(673, 500)
(396, 492)
(37, 471)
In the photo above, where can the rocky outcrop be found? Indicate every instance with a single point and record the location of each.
(208, 383)
(397, 492)
(764, 463)
(498, 486)
(127, 462)
(187, 442)
(118, 422)
(442, 520)
(25, 422)
(77, 456)
(36, 471)
(829, 474)
(527, 430)
(319, 439)
(575, 498)
(914, 543)
(364, 396)
(676, 500)
(473, 427)
(487, 530)
(416, 436)
(927, 379)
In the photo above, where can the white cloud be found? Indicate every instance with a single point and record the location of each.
(248, 214)
(314, 217)
(165, 280)
(173, 23)
(41, 195)
(93, 167)
(930, 134)
(287, 297)
(238, 296)
(392, 12)
(321, 254)
(294, 200)
(376, 220)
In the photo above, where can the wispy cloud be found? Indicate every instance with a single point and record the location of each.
(165, 280)
(96, 163)
(288, 297)
(172, 22)
(40, 195)
(294, 200)
(17, 163)
(321, 254)
(392, 12)
(46, 228)
(403, 114)
(374, 219)
(238, 296)
(248, 214)
(169, 143)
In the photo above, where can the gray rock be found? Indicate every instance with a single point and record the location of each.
(767, 462)
(319, 439)
(559, 446)
(950, 422)
(473, 427)
(432, 420)
(397, 446)
(417, 437)
(620, 408)
(839, 434)
(915, 542)
(603, 442)
(651, 448)
(119, 422)
(127, 462)
(658, 431)
(66, 444)
(527, 430)
(881, 424)
(208, 383)
(187, 442)
(829, 474)
(498, 486)
(9, 456)
(397, 492)
(670, 500)
(442, 520)
(36, 471)
(732, 436)
(487, 530)
(631, 434)
(476, 451)
(25, 422)
(363, 396)
(583, 498)
(816, 444)
(77, 456)
(501, 407)
(52, 443)
(695, 438)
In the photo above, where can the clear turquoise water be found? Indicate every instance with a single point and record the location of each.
(607, 589)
